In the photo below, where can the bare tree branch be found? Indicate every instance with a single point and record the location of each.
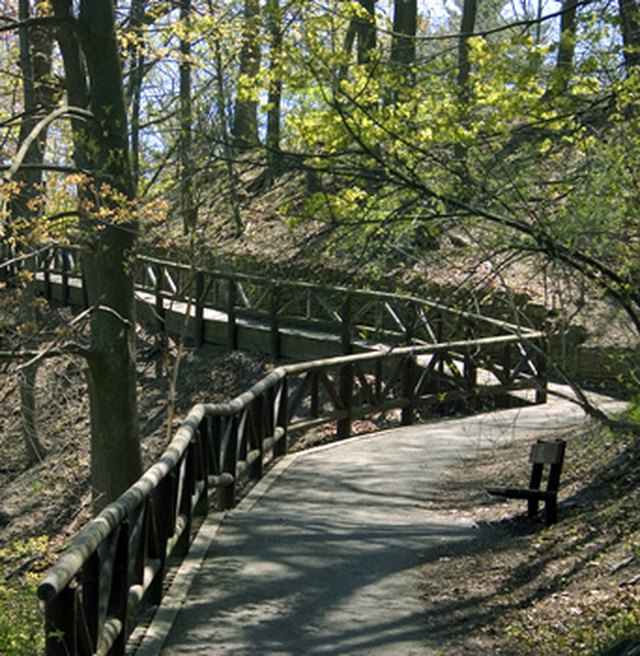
(61, 112)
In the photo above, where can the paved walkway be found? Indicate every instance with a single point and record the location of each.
(322, 556)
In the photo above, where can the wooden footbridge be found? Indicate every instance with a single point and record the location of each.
(380, 353)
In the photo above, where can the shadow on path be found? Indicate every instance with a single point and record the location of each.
(322, 557)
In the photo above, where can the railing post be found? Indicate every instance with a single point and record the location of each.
(282, 417)
(314, 394)
(160, 518)
(46, 272)
(345, 392)
(470, 369)
(120, 590)
(184, 503)
(91, 596)
(345, 326)
(409, 328)
(439, 328)
(408, 389)
(201, 467)
(256, 429)
(232, 329)
(198, 323)
(60, 624)
(85, 289)
(65, 276)
(273, 321)
(159, 304)
(4, 258)
(439, 340)
(227, 493)
(506, 363)
(542, 370)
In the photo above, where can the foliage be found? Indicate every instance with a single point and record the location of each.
(21, 616)
(633, 409)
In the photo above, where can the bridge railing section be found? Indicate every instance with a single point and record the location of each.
(351, 320)
(356, 319)
(117, 565)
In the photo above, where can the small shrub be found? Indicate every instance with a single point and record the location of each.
(633, 409)
(21, 617)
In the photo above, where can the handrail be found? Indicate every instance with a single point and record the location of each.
(352, 315)
(99, 528)
(118, 562)
(337, 289)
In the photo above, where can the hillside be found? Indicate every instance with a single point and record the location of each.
(521, 589)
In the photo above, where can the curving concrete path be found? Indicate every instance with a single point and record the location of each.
(322, 555)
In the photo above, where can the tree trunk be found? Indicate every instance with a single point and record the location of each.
(26, 206)
(245, 120)
(75, 80)
(187, 204)
(115, 448)
(566, 46)
(467, 27)
(28, 375)
(228, 149)
(630, 27)
(35, 65)
(469, 12)
(136, 77)
(405, 23)
(274, 27)
(366, 32)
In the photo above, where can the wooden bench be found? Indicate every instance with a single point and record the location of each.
(543, 453)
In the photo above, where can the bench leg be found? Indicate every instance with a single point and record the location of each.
(551, 511)
(532, 507)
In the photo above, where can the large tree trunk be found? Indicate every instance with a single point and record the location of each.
(362, 31)
(75, 79)
(274, 28)
(245, 119)
(115, 444)
(115, 448)
(566, 46)
(467, 27)
(366, 32)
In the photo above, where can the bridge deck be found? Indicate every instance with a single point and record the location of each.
(321, 557)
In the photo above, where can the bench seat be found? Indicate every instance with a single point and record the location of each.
(521, 493)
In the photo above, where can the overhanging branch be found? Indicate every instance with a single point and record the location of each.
(61, 112)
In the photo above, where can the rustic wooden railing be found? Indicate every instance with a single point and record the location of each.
(357, 319)
(268, 315)
(117, 564)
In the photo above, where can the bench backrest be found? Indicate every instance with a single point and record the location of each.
(547, 453)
